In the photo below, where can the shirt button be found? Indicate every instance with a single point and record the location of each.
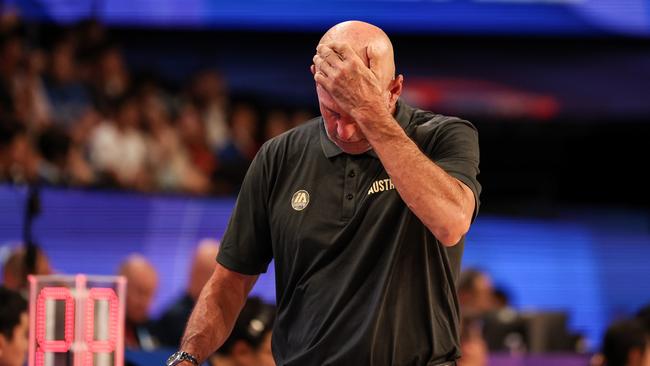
(351, 174)
(349, 196)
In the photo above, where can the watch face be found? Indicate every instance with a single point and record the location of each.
(173, 359)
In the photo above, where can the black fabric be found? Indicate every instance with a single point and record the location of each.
(360, 280)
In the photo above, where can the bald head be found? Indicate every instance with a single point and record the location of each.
(142, 282)
(202, 266)
(366, 39)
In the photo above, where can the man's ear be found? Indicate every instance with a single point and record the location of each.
(395, 89)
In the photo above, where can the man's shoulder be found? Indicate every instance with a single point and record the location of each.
(428, 121)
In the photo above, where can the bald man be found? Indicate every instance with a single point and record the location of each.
(363, 210)
(169, 328)
(142, 284)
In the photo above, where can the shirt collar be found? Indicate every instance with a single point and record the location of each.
(403, 113)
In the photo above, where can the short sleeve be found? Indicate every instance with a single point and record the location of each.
(455, 149)
(246, 245)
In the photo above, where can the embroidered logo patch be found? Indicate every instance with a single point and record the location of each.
(300, 200)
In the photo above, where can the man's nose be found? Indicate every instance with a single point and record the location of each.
(346, 130)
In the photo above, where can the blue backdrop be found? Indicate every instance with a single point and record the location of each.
(630, 17)
(594, 263)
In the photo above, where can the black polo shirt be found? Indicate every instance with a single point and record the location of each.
(360, 280)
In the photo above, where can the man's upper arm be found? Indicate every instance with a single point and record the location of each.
(455, 149)
(246, 245)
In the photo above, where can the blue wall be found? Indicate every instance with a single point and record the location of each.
(458, 16)
(595, 264)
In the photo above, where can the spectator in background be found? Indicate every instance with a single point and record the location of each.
(91, 37)
(170, 326)
(22, 95)
(473, 347)
(249, 343)
(68, 97)
(118, 148)
(142, 283)
(18, 161)
(11, 56)
(277, 122)
(626, 343)
(172, 168)
(192, 132)
(475, 293)
(237, 155)
(209, 93)
(111, 80)
(501, 299)
(61, 162)
(300, 116)
(15, 271)
(14, 328)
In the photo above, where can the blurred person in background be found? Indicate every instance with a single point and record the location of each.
(14, 328)
(111, 81)
(118, 148)
(172, 168)
(244, 121)
(22, 95)
(501, 299)
(11, 57)
(62, 162)
(300, 116)
(626, 343)
(15, 270)
(473, 347)
(475, 293)
(19, 161)
(67, 95)
(193, 135)
(249, 343)
(209, 93)
(170, 326)
(236, 156)
(277, 122)
(142, 284)
(91, 39)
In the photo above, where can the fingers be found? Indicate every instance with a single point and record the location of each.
(323, 65)
(343, 50)
(371, 53)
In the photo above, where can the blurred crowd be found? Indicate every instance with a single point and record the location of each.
(72, 113)
(249, 344)
(490, 325)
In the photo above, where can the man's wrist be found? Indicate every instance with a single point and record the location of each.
(182, 358)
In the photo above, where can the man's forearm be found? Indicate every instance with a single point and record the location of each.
(434, 196)
(215, 313)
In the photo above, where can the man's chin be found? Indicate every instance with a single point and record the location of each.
(353, 147)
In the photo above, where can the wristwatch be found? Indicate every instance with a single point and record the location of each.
(179, 357)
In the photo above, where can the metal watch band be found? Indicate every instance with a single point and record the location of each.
(181, 356)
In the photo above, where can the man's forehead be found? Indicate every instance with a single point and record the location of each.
(326, 99)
